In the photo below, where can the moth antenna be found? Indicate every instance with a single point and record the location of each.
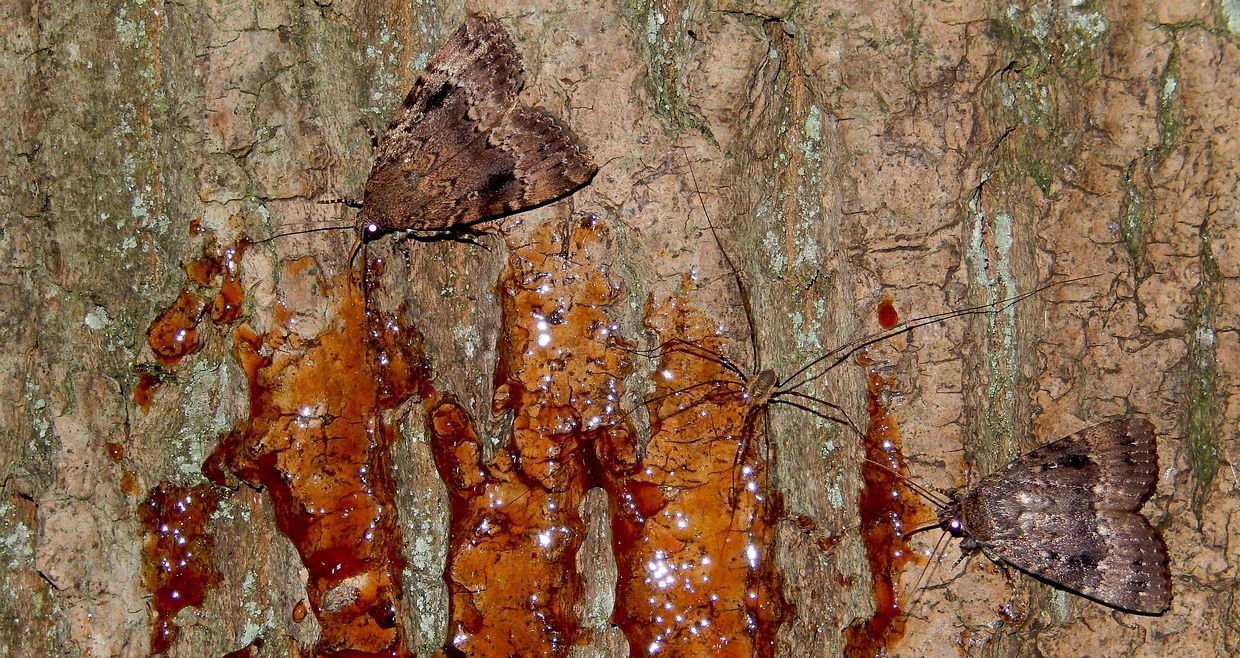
(358, 245)
(300, 232)
(608, 162)
(920, 529)
(935, 499)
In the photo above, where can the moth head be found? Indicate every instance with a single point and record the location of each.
(369, 230)
(949, 518)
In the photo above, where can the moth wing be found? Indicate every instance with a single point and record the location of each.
(527, 160)
(1067, 513)
(1127, 455)
(1113, 465)
(1116, 558)
(466, 90)
(548, 162)
(459, 150)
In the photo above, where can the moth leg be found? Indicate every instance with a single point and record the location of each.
(1002, 566)
(467, 234)
(468, 238)
(1007, 574)
(463, 235)
(968, 548)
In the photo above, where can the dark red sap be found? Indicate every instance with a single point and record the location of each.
(178, 567)
(515, 526)
(319, 442)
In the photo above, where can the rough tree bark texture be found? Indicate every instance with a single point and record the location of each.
(946, 154)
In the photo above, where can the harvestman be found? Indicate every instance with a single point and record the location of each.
(765, 388)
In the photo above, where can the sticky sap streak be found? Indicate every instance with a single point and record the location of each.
(886, 507)
(317, 440)
(694, 538)
(178, 567)
(174, 333)
(515, 525)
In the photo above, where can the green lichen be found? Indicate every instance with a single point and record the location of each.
(228, 510)
(793, 198)
(16, 540)
(203, 422)
(1230, 10)
(1169, 116)
(132, 27)
(97, 318)
(1001, 384)
(809, 185)
(807, 340)
(813, 133)
(139, 166)
(1203, 390)
(422, 578)
(771, 242)
(990, 261)
(1054, 36)
(664, 42)
(386, 54)
(1134, 218)
(259, 617)
(1054, 49)
(35, 460)
(834, 494)
(1059, 605)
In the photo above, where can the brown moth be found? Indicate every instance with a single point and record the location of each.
(1068, 513)
(462, 150)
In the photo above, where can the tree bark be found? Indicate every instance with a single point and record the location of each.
(945, 155)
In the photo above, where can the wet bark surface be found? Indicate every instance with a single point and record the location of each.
(945, 156)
